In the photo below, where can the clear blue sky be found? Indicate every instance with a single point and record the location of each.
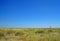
(29, 13)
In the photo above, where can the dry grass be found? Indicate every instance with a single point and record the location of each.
(30, 34)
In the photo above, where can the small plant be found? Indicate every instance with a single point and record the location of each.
(19, 33)
(1, 34)
(39, 31)
(58, 30)
(50, 30)
(10, 31)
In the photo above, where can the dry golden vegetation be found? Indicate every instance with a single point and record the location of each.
(29, 34)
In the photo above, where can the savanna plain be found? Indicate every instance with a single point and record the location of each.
(29, 34)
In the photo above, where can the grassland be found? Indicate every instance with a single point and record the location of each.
(29, 34)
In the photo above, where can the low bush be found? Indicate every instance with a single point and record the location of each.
(50, 30)
(19, 33)
(10, 31)
(39, 31)
(1, 34)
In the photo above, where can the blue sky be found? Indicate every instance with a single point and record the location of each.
(29, 13)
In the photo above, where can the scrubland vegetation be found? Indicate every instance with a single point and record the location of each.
(29, 34)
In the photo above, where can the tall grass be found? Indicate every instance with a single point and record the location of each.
(31, 34)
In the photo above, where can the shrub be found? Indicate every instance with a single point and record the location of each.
(19, 33)
(39, 31)
(10, 31)
(58, 31)
(1, 34)
(50, 30)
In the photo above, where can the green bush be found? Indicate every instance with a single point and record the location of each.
(1, 34)
(19, 33)
(39, 31)
(50, 30)
(58, 31)
(10, 31)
